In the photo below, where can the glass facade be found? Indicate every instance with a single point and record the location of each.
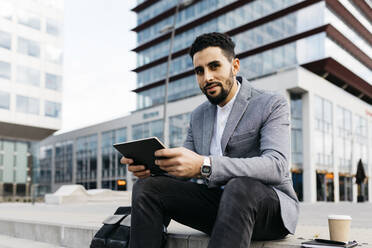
(4, 70)
(53, 82)
(178, 89)
(5, 40)
(235, 18)
(361, 140)
(63, 162)
(27, 75)
(45, 170)
(148, 129)
(52, 109)
(28, 47)
(344, 139)
(4, 100)
(53, 54)
(6, 10)
(28, 19)
(86, 157)
(112, 169)
(296, 130)
(52, 27)
(323, 142)
(184, 16)
(28, 105)
(178, 126)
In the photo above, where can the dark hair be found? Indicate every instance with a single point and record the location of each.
(214, 39)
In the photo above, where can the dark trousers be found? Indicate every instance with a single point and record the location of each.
(245, 209)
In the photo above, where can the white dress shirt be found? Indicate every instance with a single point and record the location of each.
(219, 125)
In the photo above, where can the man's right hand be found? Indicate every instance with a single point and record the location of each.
(137, 170)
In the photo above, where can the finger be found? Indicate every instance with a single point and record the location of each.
(169, 168)
(168, 162)
(169, 152)
(142, 174)
(136, 168)
(125, 160)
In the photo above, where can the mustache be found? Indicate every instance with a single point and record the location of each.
(211, 84)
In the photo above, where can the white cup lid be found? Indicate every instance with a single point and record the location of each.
(339, 217)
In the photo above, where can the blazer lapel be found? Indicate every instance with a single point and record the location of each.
(237, 111)
(208, 126)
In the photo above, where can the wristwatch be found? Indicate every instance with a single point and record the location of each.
(206, 168)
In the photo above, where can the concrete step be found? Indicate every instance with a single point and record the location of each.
(12, 242)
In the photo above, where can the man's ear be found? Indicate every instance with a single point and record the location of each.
(235, 66)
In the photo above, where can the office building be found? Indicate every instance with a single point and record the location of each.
(31, 43)
(317, 53)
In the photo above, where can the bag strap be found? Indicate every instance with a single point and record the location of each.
(114, 219)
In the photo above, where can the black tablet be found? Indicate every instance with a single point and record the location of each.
(142, 152)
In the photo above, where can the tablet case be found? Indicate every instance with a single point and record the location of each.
(142, 152)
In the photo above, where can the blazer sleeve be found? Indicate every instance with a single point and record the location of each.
(189, 142)
(271, 166)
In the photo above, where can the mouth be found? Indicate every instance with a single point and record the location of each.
(210, 88)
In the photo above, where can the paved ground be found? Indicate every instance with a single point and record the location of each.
(312, 223)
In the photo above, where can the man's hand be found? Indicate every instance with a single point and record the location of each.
(179, 162)
(138, 170)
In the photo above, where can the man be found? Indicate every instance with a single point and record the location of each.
(238, 141)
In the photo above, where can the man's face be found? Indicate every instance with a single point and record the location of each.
(215, 73)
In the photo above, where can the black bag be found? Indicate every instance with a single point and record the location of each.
(115, 232)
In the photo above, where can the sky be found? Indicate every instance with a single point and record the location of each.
(98, 62)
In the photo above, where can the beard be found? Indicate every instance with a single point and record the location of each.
(223, 93)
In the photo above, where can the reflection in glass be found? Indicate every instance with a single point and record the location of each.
(5, 40)
(52, 109)
(26, 75)
(53, 82)
(4, 100)
(5, 70)
(27, 105)
(53, 54)
(28, 47)
(52, 27)
(28, 19)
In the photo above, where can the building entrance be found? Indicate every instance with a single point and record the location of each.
(346, 187)
(324, 186)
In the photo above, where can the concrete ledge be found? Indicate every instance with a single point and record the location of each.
(77, 237)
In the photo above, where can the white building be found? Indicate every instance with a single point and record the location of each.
(31, 45)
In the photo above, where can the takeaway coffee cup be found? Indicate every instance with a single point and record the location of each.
(339, 227)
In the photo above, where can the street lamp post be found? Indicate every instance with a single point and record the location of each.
(173, 27)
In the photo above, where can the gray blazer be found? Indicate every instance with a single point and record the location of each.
(255, 143)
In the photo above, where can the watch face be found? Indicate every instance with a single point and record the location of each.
(206, 169)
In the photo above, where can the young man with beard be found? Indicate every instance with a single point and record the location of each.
(238, 141)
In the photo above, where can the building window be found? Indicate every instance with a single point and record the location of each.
(296, 129)
(4, 100)
(29, 20)
(6, 10)
(53, 82)
(53, 54)
(5, 70)
(148, 129)
(5, 40)
(26, 75)
(27, 105)
(52, 27)
(52, 109)
(28, 47)
(178, 126)
(323, 142)
(344, 139)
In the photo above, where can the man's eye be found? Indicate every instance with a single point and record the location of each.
(199, 72)
(213, 66)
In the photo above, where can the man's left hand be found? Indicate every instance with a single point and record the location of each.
(180, 162)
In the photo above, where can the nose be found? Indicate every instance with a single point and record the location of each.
(208, 76)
